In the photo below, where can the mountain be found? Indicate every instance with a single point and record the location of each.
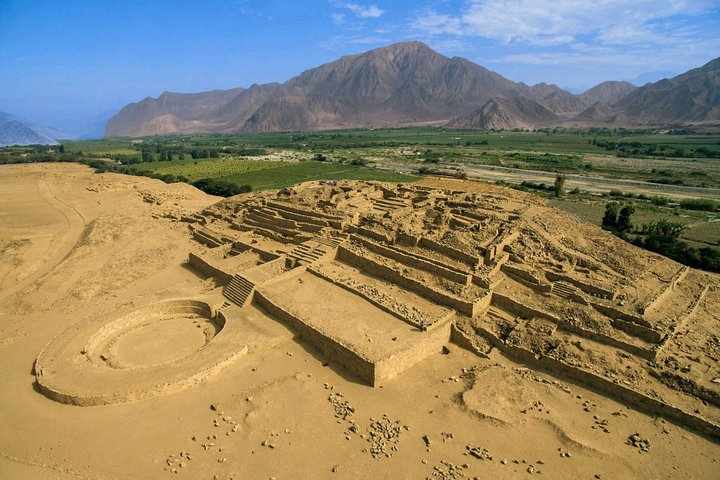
(561, 101)
(176, 107)
(411, 84)
(505, 113)
(693, 96)
(402, 84)
(18, 131)
(607, 92)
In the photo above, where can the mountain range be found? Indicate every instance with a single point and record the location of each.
(410, 84)
(18, 131)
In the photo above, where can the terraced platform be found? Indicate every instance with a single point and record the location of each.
(379, 277)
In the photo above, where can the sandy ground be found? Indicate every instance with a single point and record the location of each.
(75, 245)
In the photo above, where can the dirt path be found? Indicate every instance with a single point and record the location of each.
(583, 182)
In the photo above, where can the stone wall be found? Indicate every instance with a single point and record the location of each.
(585, 286)
(619, 391)
(265, 256)
(450, 252)
(661, 295)
(515, 307)
(629, 323)
(332, 220)
(497, 246)
(344, 356)
(388, 308)
(375, 235)
(521, 310)
(206, 268)
(206, 238)
(426, 344)
(387, 273)
(526, 277)
(415, 261)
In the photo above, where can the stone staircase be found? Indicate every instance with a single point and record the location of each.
(306, 254)
(207, 238)
(564, 290)
(239, 290)
(384, 205)
(330, 242)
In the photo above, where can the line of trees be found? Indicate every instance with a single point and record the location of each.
(661, 237)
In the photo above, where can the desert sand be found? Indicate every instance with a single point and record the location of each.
(444, 329)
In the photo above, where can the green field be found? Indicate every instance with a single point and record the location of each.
(208, 168)
(293, 173)
(261, 175)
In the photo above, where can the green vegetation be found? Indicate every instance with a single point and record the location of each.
(220, 187)
(292, 173)
(690, 238)
(700, 204)
(276, 160)
(207, 168)
(559, 187)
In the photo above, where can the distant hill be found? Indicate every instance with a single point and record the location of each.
(505, 113)
(607, 92)
(402, 84)
(693, 96)
(17, 131)
(411, 84)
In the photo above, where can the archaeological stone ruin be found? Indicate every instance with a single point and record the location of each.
(379, 277)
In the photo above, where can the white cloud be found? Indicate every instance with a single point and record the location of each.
(337, 18)
(560, 22)
(361, 11)
(590, 62)
(433, 23)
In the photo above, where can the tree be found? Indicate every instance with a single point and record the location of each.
(610, 219)
(559, 185)
(663, 228)
(624, 223)
(62, 148)
(221, 187)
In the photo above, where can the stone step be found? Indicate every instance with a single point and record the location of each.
(563, 290)
(239, 290)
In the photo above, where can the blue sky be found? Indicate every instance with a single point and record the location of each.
(69, 63)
